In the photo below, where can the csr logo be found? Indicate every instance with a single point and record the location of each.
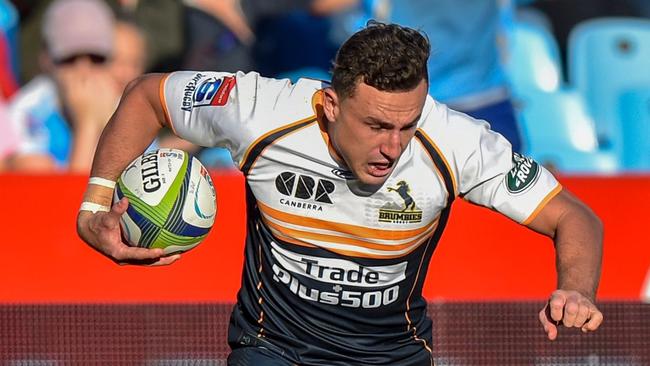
(304, 187)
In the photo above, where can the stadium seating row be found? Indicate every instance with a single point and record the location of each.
(598, 122)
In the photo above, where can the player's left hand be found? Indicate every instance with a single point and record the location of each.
(572, 309)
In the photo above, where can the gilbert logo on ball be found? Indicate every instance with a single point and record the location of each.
(172, 201)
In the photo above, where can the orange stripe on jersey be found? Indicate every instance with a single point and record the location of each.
(343, 252)
(260, 139)
(307, 235)
(163, 102)
(442, 157)
(543, 204)
(354, 230)
(409, 322)
(294, 241)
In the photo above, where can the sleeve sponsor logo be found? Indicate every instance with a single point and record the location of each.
(523, 174)
(188, 92)
(211, 92)
(373, 281)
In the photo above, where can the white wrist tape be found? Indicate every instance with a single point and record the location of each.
(93, 207)
(102, 182)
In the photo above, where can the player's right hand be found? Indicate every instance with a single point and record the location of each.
(572, 309)
(101, 231)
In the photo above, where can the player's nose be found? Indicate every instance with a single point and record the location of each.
(392, 148)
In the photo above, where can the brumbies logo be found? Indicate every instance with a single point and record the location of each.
(409, 213)
(523, 174)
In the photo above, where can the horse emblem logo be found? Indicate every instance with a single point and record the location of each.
(393, 212)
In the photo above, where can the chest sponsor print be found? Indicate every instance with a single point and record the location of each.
(303, 191)
(340, 282)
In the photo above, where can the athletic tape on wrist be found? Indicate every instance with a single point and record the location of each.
(93, 207)
(102, 182)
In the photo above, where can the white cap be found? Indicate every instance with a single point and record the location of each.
(75, 27)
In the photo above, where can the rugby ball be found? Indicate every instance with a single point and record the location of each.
(172, 201)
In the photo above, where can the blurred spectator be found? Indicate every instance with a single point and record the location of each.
(161, 21)
(294, 37)
(221, 36)
(129, 58)
(8, 83)
(217, 36)
(8, 137)
(242, 35)
(465, 71)
(8, 54)
(64, 110)
(30, 41)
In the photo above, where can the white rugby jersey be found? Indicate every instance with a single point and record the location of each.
(334, 274)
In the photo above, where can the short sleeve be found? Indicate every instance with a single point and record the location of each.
(488, 172)
(220, 109)
(201, 105)
(494, 176)
(520, 193)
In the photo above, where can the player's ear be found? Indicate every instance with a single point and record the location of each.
(330, 104)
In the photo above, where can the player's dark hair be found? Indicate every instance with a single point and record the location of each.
(388, 57)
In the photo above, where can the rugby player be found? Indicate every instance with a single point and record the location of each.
(349, 188)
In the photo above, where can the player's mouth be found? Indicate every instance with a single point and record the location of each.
(380, 169)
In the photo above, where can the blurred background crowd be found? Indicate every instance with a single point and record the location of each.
(566, 81)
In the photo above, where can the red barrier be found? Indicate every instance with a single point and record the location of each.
(482, 255)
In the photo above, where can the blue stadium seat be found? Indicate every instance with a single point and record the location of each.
(634, 118)
(532, 59)
(559, 132)
(606, 57)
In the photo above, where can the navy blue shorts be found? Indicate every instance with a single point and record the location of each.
(255, 356)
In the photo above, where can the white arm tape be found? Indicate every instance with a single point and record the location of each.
(102, 182)
(93, 207)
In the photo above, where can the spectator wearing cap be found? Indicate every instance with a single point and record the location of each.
(465, 71)
(63, 110)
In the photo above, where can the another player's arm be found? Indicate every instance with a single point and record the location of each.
(578, 236)
(131, 129)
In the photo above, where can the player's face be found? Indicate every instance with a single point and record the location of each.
(370, 129)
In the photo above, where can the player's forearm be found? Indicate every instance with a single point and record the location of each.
(579, 246)
(131, 129)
